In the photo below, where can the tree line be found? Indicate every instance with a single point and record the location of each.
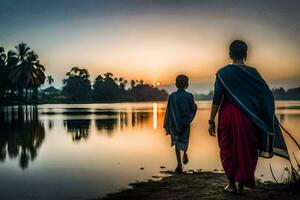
(107, 88)
(289, 94)
(21, 73)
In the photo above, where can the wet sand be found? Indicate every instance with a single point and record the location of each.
(201, 185)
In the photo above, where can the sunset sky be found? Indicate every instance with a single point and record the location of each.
(156, 40)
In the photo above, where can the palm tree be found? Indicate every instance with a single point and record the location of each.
(22, 51)
(2, 57)
(132, 83)
(108, 75)
(26, 70)
(99, 78)
(11, 64)
(36, 77)
(123, 83)
(19, 71)
(50, 80)
(2, 71)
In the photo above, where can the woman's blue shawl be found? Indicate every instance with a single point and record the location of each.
(252, 95)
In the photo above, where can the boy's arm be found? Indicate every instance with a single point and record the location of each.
(193, 107)
(166, 118)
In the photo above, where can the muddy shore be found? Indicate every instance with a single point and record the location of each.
(201, 185)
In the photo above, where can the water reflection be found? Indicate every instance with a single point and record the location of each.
(78, 128)
(118, 140)
(154, 111)
(138, 118)
(50, 124)
(121, 121)
(107, 124)
(22, 134)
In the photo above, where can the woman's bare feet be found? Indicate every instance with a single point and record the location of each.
(240, 189)
(230, 188)
(185, 158)
(178, 169)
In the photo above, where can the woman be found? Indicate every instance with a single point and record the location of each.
(247, 126)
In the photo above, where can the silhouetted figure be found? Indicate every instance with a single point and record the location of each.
(247, 126)
(181, 110)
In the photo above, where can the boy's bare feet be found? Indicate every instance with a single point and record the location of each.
(178, 169)
(185, 158)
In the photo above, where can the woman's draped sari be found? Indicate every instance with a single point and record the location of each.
(248, 126)
(253, 96)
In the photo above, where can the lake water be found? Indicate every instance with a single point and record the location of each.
(83, 151)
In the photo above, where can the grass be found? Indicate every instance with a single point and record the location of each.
(293, 174)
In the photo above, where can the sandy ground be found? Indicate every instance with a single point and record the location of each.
(201, 185)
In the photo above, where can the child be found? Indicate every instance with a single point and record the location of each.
(180, 112)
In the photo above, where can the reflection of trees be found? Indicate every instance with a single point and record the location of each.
(22, 134)
(50, 124)
(108, 124)
(79, 128)
(138, 118)
(121, 120)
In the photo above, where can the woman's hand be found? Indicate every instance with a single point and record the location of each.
(211, 121)
(212, 129)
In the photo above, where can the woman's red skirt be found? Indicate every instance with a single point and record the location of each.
(238, 141)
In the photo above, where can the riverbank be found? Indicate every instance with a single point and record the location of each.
(201, 185)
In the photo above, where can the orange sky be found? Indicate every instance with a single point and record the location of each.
(156, 44)
(164, 47)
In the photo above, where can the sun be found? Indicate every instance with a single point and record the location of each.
(157, 83)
